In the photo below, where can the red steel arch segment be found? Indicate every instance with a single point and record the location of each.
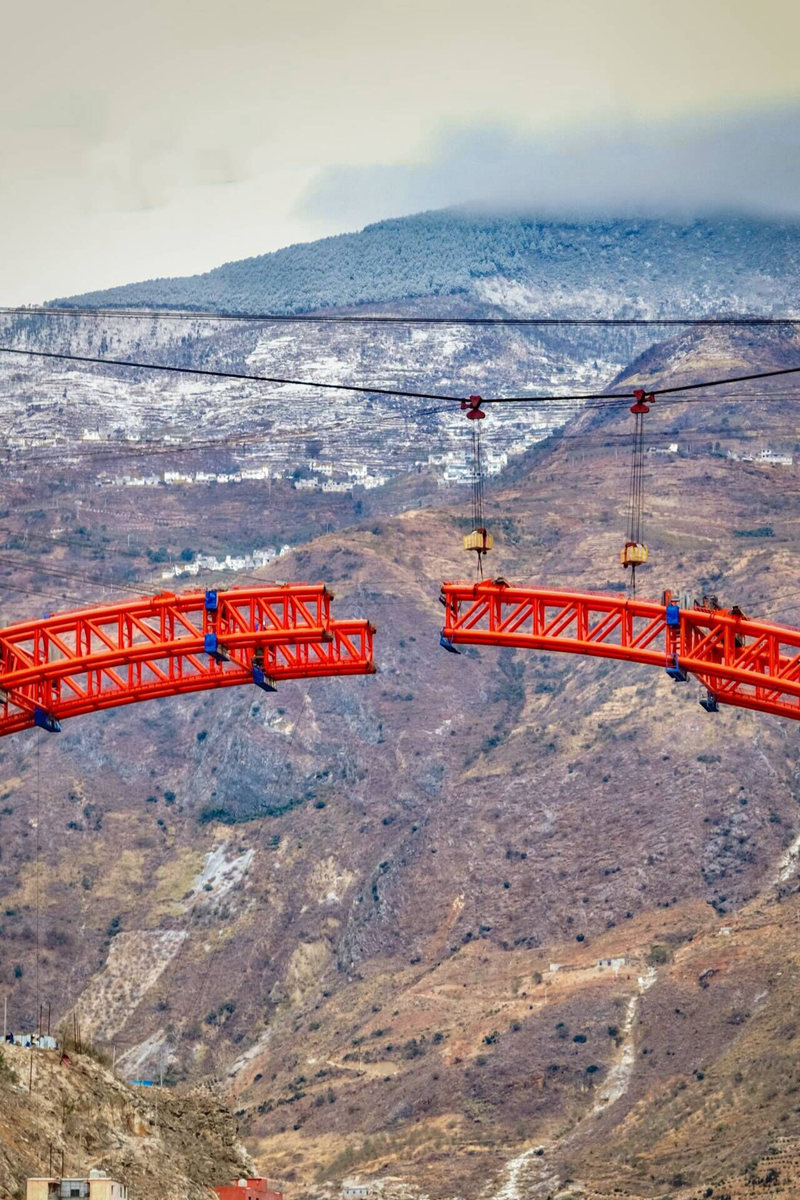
(752, 664)
(76, 662)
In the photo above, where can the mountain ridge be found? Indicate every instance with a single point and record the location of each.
(723, 264)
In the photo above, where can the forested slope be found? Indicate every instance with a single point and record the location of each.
(589, 267)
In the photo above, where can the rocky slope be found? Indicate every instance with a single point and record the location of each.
(162, 1146)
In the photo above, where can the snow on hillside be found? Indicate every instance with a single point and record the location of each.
(441, 263)
(593, 268)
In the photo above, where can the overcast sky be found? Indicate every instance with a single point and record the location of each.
(167, 136)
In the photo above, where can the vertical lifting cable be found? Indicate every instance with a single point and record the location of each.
(634, 528)
(477, 488)
(479, 540)
(634, 553)
(634, 532)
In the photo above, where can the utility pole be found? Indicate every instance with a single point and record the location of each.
(5, 1016)
(160, 1080)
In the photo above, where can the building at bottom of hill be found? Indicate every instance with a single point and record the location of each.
(94, 1186)
(248, 1189)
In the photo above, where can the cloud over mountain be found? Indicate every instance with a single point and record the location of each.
(749, 162)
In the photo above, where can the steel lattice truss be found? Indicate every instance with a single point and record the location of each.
(78, 662)
(753, 664)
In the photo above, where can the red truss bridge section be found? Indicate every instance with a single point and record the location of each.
(752, 664)
(77, 662)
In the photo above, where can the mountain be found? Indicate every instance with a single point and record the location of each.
(500, 925)
(428, 924)
(517, 264)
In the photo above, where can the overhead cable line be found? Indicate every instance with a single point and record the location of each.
(605, 397)
(699, 432)
(68, 574)
(39, 594)
(207, 371)
(653, 391)
(317, 318)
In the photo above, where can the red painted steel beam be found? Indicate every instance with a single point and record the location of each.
(752, 664)
(94, 658)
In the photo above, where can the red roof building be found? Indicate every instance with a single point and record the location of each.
(247, 1189)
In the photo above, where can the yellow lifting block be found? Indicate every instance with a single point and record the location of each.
(478, 540)
(633, 554)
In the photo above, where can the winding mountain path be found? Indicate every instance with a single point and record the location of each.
(533, 1163)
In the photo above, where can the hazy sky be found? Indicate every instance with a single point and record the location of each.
(167, 136)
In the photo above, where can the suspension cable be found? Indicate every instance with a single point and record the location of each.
(604, 397)
(477, 477)
(477, 491)
(337, 318)
(479, 540)
(634, 552)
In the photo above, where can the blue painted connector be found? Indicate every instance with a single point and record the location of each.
(447, 644)
(211, 601)
(677, 672)
(213, 646)
(710, 703)
(44, 720)
(263, 681)
(673, 616)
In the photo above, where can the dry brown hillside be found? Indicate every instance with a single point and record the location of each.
(164, 1147)
(426, 924)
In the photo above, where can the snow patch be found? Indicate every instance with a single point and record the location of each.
(220, 874)
(147, 1055)
(789, 862)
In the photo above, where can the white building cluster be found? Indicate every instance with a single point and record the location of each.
(231, 562)
(775, 458)
(455, 466)
(178, 478)
(323, 479)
